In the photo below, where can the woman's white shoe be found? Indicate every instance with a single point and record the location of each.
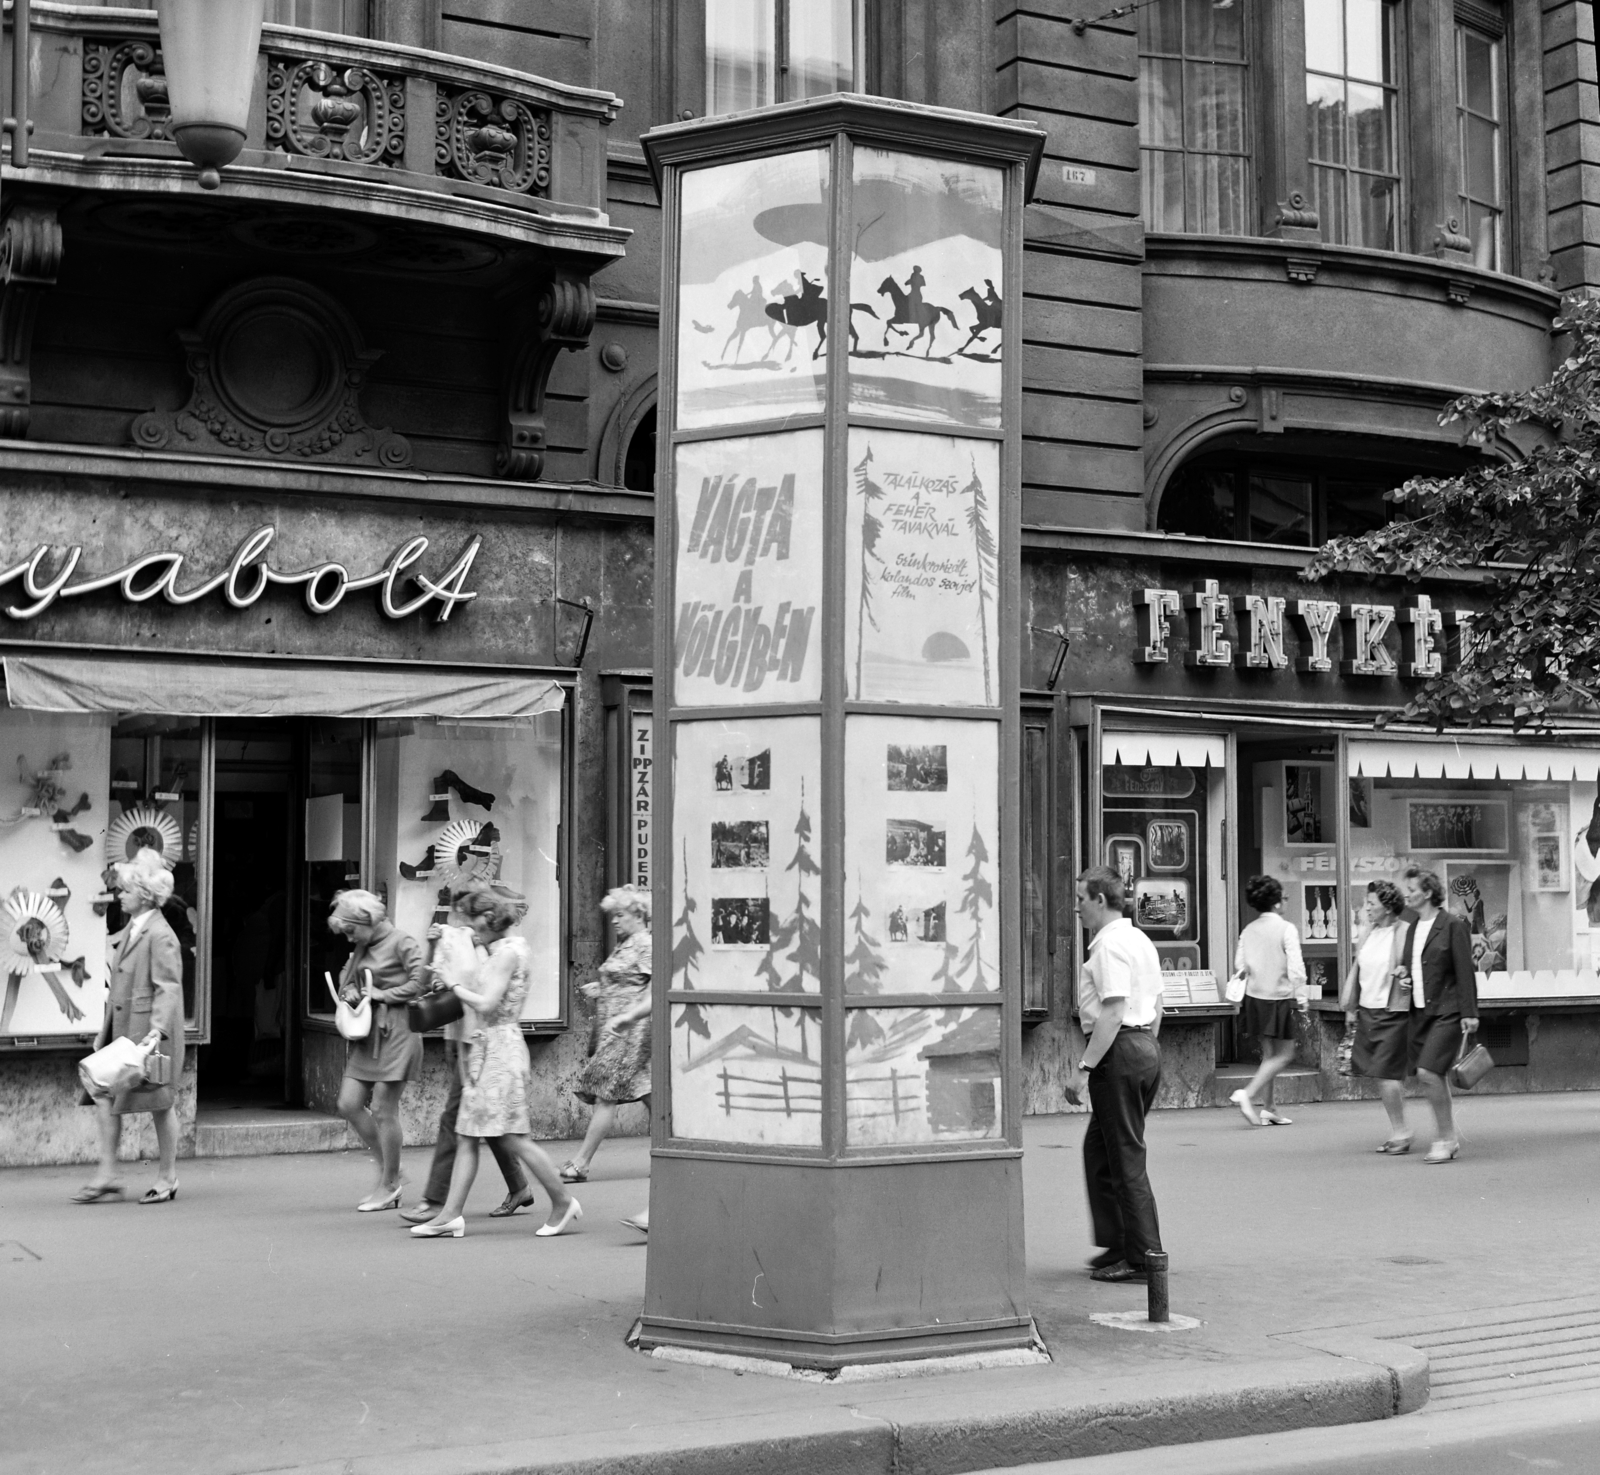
(451, 1228)
(1247, 1106)
(573, 1212)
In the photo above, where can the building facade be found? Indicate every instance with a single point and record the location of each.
(1269, 242)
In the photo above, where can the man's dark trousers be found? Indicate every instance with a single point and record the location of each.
(444, 1149)
(1121, 1090)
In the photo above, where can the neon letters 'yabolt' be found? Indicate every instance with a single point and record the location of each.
(246, 578)
(738, 645)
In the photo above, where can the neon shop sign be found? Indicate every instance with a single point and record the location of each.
(1429, 637)
(247, 576)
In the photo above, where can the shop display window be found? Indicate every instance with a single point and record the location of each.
(455, 802)
(1163, 806)
(1515, 841)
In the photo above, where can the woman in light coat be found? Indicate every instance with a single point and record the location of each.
(1274, 971)
(146, 993)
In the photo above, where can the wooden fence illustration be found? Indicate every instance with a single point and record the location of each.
(793, 1093)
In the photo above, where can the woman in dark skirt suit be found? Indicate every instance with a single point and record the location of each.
(380, 1065)
(1380, 1008)
(1437, 954)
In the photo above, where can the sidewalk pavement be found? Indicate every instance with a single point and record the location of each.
(259, 1324)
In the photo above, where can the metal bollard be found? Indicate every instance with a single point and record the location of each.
(1155, 1264)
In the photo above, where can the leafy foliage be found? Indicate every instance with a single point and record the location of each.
(1531, 526)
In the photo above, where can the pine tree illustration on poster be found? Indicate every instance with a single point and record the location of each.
(800, 935)
(983, 538)
(962, 968)
(866, 967)
(686, 951)
(871, 529)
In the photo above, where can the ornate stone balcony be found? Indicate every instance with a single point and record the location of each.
(338, 124)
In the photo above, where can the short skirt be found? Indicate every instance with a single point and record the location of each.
(395, 1055)
(1434, 1041)
(1382, 1036)
(1268, 1019)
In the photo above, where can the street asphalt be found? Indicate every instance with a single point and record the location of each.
(258, 1323)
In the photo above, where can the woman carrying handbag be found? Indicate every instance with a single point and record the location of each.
(1376, 999)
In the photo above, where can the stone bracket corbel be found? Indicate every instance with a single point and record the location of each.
(563, 320)
(30, 259)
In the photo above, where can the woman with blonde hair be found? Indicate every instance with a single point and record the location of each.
(387, 967)
(619, 1065)
(146, 993)
(496, 1077)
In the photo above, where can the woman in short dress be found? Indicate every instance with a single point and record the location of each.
(1380, 1008)
(377, 1068)
(1274, 971)
(619, 1069)
(496, 1077)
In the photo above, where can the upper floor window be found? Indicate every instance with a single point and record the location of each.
(344, 17)
(759, 52)
(1353, 113)
(1480, 124)
(1193, 117)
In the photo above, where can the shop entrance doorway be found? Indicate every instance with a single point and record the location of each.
(286, 835)
(1288, 829)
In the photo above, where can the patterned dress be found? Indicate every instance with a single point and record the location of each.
(619, 1069)
(497, 1078)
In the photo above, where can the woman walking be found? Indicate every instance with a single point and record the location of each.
(387, 967)
(1379, 1006)
(619, 1069)
(146, 993)
(496, 1077)
(1437, 954)
(1274, 971)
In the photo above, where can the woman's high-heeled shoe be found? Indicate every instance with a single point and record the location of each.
(451, 1229)
(160, 1195)
(572, 1213)
(388, 1201)
(1396, 1146)
(1442, 1152)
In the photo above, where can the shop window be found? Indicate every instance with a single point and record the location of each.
(1194, 89)
(1163, 804)
(1037, 805)
(1480, 123)
(1514, 836)
(1353, 120)
(760, 52)
(455, 801)
(1292, 503)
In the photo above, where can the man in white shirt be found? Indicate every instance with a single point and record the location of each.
(1119, 1007)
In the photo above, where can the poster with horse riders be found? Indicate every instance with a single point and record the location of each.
(755, 317)
(753, 289)
(925, 290)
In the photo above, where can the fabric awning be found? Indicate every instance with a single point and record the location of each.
(1442, 759)
(271, 689)
(1164, 749)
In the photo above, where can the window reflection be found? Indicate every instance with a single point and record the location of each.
(1479, 117)
(760, 52)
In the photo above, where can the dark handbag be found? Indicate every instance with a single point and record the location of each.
(1471, 1066)
(434, 1011)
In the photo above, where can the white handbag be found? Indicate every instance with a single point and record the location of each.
(118, 1066)
(1233, 989)
(353, 1023)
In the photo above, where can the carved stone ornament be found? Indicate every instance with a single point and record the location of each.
(564, 319)
(278, 368)
(491, 140)
(30, 258)
(1449, 238)
(1297, 214)
(327, 113)
(124, 90)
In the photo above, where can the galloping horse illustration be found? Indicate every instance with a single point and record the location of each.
(910, 308)
(987, 309)
(752, 314)
(810, 308)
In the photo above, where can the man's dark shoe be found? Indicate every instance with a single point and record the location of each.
(1121, 1272)
(1104, 1258)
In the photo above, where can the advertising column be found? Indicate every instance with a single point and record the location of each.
(836, 1175)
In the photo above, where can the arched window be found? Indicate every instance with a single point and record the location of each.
(639, 463)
